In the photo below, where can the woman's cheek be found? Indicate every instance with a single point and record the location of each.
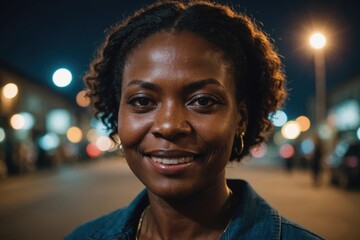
(133, 129)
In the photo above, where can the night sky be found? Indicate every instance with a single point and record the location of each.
(38, 37)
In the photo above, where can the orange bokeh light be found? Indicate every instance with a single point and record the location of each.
(304, 123)
(82, 100)
(74, 134)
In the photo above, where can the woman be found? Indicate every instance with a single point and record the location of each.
(187, 88)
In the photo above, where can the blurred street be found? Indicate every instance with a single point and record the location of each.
(48, 204)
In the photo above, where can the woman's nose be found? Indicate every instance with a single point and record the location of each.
(171, 122)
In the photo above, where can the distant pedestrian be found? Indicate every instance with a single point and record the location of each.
(316, 161)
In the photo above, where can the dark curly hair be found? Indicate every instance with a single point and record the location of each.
(257, 69)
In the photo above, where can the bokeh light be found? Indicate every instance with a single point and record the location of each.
(74, 134)
(92, 151)
(291, 130)
(103, 143)
(58, 121)
(341, 148)
(62, 77)
(304, 123)
(358, 133)
(29, 120)
(260, 151)
(279, 118)
(92, 135)
(324, 132)
(49, 141)
(99, 127)
(347, 115)
(10, 90)
(2, 134)
(82, 100)
(279, 139)
(17, 121)
(317, 40)
(286, 151)
(307, 146)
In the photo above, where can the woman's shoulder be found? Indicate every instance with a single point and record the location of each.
(92, 228)
(255, 213)
(293, 231)
(115, 225)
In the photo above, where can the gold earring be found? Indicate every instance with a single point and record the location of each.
(239, 151)
(121, 149)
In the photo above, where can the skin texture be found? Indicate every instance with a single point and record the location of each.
(178, 101)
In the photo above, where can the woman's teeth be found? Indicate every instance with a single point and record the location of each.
(172, 161)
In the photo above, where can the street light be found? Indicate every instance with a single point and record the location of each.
(318, 41)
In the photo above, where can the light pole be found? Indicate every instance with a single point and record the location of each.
(318, 41)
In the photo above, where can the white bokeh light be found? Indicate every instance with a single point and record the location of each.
(58, 121)
(2, 134)
(62, 77)
(291, 130)
(103, 143)
(17, 121)
(10, 90)
(29, 120)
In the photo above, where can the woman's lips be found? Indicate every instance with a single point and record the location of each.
(170, 162)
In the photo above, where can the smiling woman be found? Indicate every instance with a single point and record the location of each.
(188, 88)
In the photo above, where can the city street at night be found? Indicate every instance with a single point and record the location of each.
(179, 87)
(49, 204)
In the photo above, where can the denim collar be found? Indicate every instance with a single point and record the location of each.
(254, 218)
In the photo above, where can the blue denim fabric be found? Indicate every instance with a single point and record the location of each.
(253, 219)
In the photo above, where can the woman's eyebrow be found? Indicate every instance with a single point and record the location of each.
(193, 86)
(202, 83)
(143, 84)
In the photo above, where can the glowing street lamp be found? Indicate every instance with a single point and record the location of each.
(318, 41)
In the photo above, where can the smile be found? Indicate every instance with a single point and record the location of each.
(172, 161)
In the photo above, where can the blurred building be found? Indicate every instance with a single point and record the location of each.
(35, 123)
(344, 108)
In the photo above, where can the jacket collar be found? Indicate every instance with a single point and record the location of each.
(122, 223)
(254, 218)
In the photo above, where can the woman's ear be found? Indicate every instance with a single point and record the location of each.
(243, 119)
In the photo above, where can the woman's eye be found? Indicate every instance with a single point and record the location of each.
(142, 103)
(204, 102)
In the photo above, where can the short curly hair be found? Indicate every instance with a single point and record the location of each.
(256, 66)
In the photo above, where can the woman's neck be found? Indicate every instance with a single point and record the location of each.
(202, 215)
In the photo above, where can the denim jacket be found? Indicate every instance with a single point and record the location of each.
(253, 218)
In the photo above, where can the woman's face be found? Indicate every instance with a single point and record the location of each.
(178, 115)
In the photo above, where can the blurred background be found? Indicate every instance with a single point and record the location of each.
(58, 167)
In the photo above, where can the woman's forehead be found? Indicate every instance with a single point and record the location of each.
(184, 54)
(163, 46)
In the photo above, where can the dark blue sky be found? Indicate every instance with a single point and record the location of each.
(37, 37)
